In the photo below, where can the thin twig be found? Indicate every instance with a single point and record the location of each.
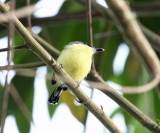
(49, 61)
(52, 50)
(125, 20)
(107, 34)
(32, 73)
(21, 105)
(153, 38)
(29, 16)
(4, 104)
(76, 16)
(23, 66)
(128, 89)
(65, 78)
(141, 89)
(7, 86)
(19, 13)
(89, 24)
(24, 46)
(124, 103)
(90, 43)
(146, 9)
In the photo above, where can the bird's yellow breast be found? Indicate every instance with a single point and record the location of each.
(76, 61)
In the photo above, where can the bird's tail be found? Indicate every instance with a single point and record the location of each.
(54, 97)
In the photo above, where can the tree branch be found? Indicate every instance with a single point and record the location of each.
(127, 24)
(49, 61)
(7, 85)
(129, 89)
(29, 16)
(81, 15)
(141, 89)
(67, 80)
(47, 46)
(19, 13)
(146, 9)
(89, 24)
(21, 105)
(107, 34)
(4, 104)
(98, 82)
(152, 37)
(24, 46)
(22, 66)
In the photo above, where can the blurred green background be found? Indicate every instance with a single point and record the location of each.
(60, 32)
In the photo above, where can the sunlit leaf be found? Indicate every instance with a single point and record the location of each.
(78, 111)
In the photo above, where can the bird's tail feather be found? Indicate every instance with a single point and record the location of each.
(54, 97)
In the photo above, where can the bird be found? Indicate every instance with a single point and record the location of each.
(76, 60)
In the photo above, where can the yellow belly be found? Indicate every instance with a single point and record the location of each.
(77, 65)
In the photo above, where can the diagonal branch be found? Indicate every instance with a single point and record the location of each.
(20, 103)
(51, 50)
(153, 38)
(98, 82)
(7, 87)
(123, 17)
(143, 88)
(19, 13)
(147, 53)
(49, 61)
(4, 104)
(81, 15)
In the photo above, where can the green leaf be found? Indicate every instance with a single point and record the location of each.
(78, 111)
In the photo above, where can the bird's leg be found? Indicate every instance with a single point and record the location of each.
(53, 81)
(61, 65)
(78, 84)
(80, 101)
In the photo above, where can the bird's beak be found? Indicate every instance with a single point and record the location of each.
(99, 50)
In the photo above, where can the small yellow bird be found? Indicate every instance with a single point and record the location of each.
(76, 59)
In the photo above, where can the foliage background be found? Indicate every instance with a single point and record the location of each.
(61, 32)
